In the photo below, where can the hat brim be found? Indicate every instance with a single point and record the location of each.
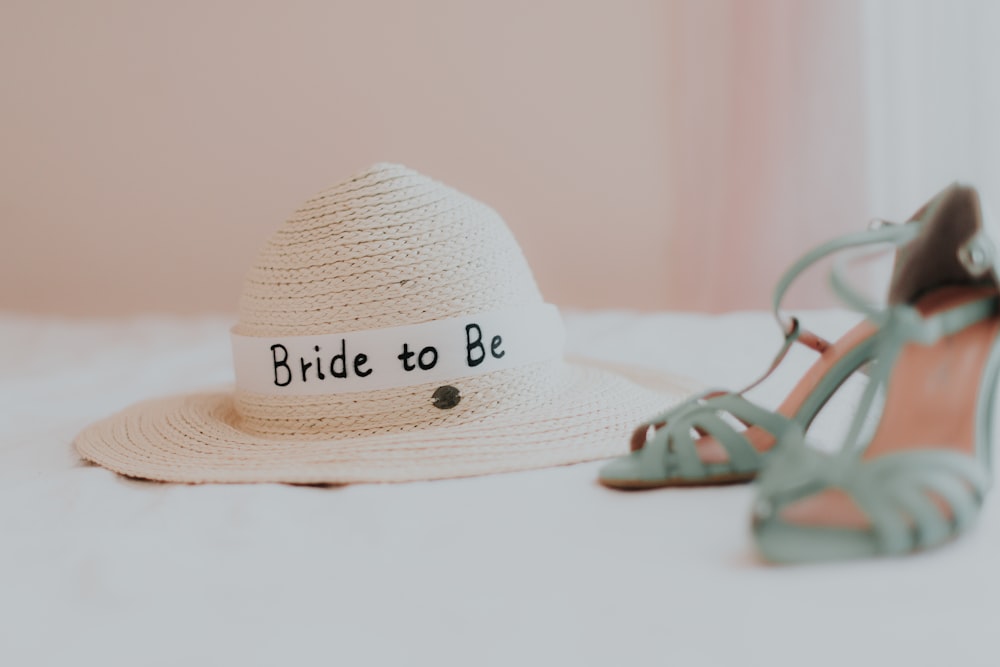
(194, 438)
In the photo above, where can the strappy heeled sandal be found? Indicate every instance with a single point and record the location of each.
(915, 466)
(665, 450)
(692, 444)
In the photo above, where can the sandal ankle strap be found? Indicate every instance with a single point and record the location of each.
(886, 233)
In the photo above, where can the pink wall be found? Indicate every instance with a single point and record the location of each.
(767, 128)
(147, 149)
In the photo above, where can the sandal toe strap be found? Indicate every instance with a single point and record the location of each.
(913, 499)
(672, 442)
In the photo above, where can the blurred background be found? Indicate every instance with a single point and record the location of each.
(647, 154)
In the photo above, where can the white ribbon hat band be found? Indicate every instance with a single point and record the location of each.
(403, 356)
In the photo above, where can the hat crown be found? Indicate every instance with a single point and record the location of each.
(388, 247)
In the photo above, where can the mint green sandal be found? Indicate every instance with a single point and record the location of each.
(918, 478)
(667, 449)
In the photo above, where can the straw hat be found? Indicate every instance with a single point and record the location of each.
(391, 330)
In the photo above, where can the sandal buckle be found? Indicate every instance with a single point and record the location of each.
(976, 256)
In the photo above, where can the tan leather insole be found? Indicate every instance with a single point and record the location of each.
(930, 403)
(711, 450)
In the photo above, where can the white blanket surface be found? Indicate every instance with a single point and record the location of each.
(536, 568)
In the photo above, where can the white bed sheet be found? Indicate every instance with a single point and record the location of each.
(542, 567)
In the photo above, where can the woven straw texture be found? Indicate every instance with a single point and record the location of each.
(387, 248)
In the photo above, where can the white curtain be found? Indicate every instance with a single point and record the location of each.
(932, 84)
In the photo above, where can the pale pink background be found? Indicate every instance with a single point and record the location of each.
(646, 154)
